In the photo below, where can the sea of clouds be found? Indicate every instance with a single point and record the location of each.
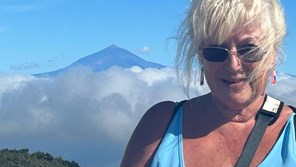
(89, 116)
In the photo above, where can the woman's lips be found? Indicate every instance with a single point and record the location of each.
(236, 83)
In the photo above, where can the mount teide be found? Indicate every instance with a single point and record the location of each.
(104, 59)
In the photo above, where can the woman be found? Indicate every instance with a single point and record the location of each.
(237, 45)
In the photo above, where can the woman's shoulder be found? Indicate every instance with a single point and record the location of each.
(148, 134)
(151, 129)
(161, 110)
(155, 120)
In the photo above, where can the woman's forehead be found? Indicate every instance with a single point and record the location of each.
(239, 35)
(244, 32)
(245, 35)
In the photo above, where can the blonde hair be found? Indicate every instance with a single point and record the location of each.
(215, 20)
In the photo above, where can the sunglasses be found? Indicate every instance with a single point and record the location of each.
(248, 53)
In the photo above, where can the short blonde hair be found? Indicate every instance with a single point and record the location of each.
(216, 19)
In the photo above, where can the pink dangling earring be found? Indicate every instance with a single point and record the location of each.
(201, 80)
(273, 81)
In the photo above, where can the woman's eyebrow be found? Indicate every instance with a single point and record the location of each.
(249, 38)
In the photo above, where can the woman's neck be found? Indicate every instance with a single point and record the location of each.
(228, 113)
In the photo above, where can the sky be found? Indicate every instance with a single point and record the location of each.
(39, 36)
(83, 115)
(44, 35)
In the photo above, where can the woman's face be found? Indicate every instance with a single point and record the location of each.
(228, 79)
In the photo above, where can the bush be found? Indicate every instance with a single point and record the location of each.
(22, 158)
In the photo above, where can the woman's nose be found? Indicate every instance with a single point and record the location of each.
(232, 62)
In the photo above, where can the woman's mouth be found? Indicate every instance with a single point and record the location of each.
(234, 83)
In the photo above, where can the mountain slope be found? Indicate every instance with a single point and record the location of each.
(106, 58)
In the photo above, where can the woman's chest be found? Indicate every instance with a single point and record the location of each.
(221, 152)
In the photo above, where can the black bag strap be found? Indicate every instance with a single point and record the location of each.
(267, 115)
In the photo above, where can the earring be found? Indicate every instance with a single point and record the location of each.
(202, 73)
(273, 80)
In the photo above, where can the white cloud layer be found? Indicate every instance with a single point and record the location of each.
(86, 116)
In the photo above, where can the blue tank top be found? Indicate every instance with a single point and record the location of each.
(170, 150)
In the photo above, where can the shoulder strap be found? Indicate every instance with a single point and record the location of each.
(176, 109)
(294, 110)
(178, 105)
(267, 115)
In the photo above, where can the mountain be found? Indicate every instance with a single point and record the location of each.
(104, 59)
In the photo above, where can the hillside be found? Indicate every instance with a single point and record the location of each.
(22, 158)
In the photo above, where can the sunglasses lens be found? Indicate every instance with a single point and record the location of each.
(215, 54)
(250, 54)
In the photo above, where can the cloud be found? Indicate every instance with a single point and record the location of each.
(81, 110)
(86, 116)
(16, 6)
(23, 7)
(143, 50)
(23, 67)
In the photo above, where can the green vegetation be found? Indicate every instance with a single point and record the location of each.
(22, 158)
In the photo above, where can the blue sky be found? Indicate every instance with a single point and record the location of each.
(44, 35)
